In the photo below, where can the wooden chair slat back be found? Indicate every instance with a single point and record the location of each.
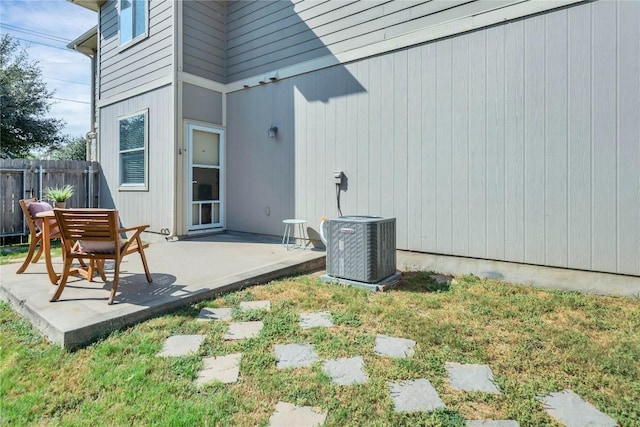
(94, 234)
(100, 225)
(24, 205)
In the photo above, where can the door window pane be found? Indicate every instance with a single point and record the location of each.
(206, 184)
(195, 214)
(206, 148)
(205, 214)
(216, 213)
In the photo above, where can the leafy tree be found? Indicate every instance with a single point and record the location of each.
(75, 149)
(25, 101)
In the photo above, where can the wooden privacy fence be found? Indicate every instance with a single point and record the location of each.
(23, 179)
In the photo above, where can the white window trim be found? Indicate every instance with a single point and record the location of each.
(139, 38)
(145, 185)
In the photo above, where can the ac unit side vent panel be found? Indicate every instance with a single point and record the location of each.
(361, 248)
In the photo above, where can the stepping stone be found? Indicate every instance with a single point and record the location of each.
(290, 415)
(255, 305)
(207, 314)
(471, 377)
(315, 320)
(492, 423)
(394, 347)
(295, 355)
(223, 368)
(415, 396)
(346, 371)
(181, 345)
(242, 330)
(569, 409)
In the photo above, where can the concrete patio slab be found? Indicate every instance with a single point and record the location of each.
(225, 369)
(243, 330)
(295, 355)
(181, 345)
(209, 314)
(415, 396)
(315, 320)
(394, 347)
(255, 305)
(569, 409)
(471, 377)
(184, 272)
(346, 371)
(290, 415)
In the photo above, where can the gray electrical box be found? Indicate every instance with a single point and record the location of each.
(337, 177)
(361, 248)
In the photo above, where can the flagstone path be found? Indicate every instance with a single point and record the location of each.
(243, 330)
(471, 377)
(414, 395)
(346, 371)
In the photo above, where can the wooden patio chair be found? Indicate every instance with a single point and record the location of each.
(30, 207)
(94, 235)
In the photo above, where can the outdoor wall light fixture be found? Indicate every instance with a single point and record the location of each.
(272, 132)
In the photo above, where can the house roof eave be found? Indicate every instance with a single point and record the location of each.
(87, 43)
(89, 4)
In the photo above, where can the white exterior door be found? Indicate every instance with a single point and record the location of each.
(206, 177)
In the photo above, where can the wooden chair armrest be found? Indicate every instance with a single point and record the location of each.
(135, 237)
(141, 227)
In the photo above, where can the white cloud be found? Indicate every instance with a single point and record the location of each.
(66, 72)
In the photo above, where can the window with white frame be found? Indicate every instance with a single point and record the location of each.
(133, 147)
(133, 20)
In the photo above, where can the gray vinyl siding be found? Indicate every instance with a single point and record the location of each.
(144, 61)
(266, 35)
(201, 104)
(259, 170)
(628, 136)
(204, 39)
(141, 207)
(518, 142)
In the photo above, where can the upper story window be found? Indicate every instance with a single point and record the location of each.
(133, 20)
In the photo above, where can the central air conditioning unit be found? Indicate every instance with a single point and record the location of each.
(361, 248)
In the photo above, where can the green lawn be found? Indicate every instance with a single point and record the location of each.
(535, 341)
(15, 254)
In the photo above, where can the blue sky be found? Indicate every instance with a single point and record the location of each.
(44, 28)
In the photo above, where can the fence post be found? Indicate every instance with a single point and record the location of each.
(40, 179)
(24, 196)
(89, 186)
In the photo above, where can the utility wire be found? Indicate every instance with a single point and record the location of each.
(66, 81)
(36, 33)
(32, 41)
(70, 100)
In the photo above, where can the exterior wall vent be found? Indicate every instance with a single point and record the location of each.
(361, 248)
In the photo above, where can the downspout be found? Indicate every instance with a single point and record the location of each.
(177, 10)
(91, 135)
